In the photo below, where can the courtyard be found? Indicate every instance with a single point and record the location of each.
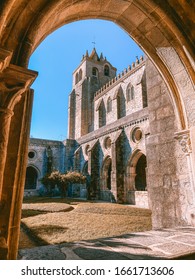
(48, 221)
(73, 229)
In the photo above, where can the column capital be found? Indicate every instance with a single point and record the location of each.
(14, 80)
(184, 140)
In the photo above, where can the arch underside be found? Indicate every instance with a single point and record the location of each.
(153, 26)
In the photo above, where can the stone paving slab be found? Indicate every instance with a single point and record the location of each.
(154, 244)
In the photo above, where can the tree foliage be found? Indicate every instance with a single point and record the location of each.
(61, 180)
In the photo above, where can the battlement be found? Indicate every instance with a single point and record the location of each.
(131, 69)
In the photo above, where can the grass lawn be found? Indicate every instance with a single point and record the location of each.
(52, 221)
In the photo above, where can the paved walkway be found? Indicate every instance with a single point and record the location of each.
(178, 243)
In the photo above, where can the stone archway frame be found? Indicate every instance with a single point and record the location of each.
(131, 169)
(153, 26)
(164, 29)
(103, 186)
(38, 173)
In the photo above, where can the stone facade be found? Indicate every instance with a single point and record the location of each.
(43, 156)
(108, 126)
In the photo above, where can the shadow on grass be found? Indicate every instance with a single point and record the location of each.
(30, 213)
(48, 229)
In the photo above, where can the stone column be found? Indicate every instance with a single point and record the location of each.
(18, 156)
(14, 81)
(5, 119)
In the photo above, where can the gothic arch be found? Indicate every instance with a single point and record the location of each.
(32, 176)
(131, 170)
(164, 30)
(106, 173)
(130, 92)
(147, 25)
(80, 74)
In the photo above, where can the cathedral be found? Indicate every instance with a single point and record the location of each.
(107, 129)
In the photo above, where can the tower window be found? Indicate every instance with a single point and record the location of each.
(106, 70)
(80, 74)
(76, 78)
(94, 71)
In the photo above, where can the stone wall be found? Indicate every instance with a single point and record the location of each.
(38, 158)
(138, 198)
(134, 78)
(169, 187)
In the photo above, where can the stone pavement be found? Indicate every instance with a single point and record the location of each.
(178, 243)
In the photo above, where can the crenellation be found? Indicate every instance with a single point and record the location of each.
(126, 71)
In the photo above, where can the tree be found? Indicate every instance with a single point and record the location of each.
(62, 180)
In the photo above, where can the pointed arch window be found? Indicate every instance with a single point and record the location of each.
(80, 74)
(120, 101)
(109, 105)
(130, 94)
(94, 71)
(106, 70)
(76, 78)
(102, 113)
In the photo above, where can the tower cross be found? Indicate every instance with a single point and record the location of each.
(94, 43)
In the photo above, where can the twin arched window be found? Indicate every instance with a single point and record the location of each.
(130, 94)
(109, 105)
(78, 76)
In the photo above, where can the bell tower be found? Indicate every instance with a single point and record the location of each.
(93, 72)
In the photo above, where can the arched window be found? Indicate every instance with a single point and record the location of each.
(140, 178)
(94, 71)
(80, 74)
(109, 105)
(102, 114)
(31, 178)
(106, 70)
(107, 174)
(130, 93)
(121, 106)
(76, 78)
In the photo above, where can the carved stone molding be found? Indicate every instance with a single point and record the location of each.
(14, 80)
(184, 140)
(5, 57)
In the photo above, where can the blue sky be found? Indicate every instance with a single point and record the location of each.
(58, 56)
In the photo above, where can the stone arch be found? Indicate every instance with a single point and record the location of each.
(130, 92)
(95, 71)
(106, 70)
(139, 19)
(109, 105)
(80, 74)
(162, 28)
(131, 170)
(76, 78)
(32, 176)
(136, 185)
(120, 103)
(106, 174)
(102, 114)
